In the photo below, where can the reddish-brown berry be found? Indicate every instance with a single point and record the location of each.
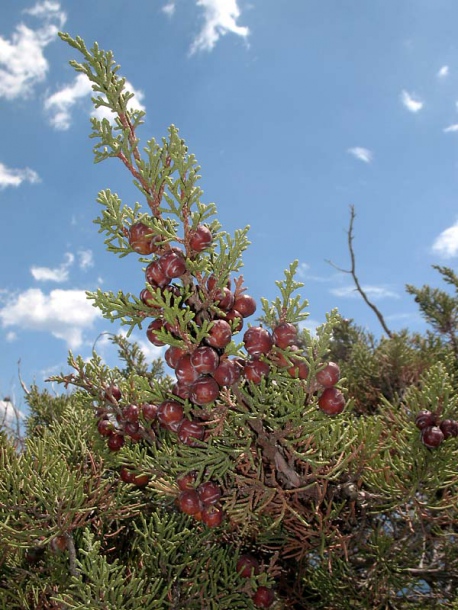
(188, 502)
(225, 299)
(187, 481)
(284, 335)
(425, 419)
(170, 413)
(257, 341)
(149, 411)
(235, 319)
(173, 354)
(298, 369)
(151, 332)
(173, 263)
(212, 515)
(130, 413)
(209, 492)
(105, 427)
(189, 432)
(115, 442)
(263, 598)
(331, 401)
(205, 359)
(112, 393)
(254, 370)
(155, 275)
(141, 238)
(432, 437)
(204, 391)
(201, 238)
(220, 334)
(247, 565)
(184, 370)
(447, 426)
(245, 305)
(227, 373)
(329, 375)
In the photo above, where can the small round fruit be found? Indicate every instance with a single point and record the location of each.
(128, 475)
(133, 430)
(247, 565)
(187, 481)
(141, 238)
(209, 492)
(225, 300)
(212, 515)
(189, 432)
(115, 442)
(263, 598)
(182, 390)
(227, 373)
(130, 414)
(257, 341)
(170, 413)
(284, 335)
(201, 238)
(331, 401)
(425, 419)
(173, 263)
(298, 369)
(255, 370)
(432, 437)
(329, 375)
(188, 502)
(105, 427)
(112, 393)
(173, 354)
(245, 305)
(235, 319)
(184, 370)
(220, 334)
(204, 391)
(149, 411)
(447, 426)
(205, 359)
(151, 332)
(154, 275)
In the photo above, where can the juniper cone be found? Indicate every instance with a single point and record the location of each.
(283, 469)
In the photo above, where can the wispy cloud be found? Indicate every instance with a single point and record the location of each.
(15, 177)
(65, 314)
(443, 72)
(220, 17)
(57, 274)
(363, 154)
(411, 102)
(451, 128)
(22, 61)
(373, 292)
(169, 8)
(86, 259)
(59, 105)
(446, 244)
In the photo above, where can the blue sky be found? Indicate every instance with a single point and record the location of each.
(295, 110)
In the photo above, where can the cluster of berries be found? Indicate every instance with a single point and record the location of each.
(247, 566)
(200, 501)
(433, 430)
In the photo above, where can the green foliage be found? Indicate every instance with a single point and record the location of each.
(343, 511)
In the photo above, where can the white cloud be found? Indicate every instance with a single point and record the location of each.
(451, 128)
(169, 8)
(86, 259)
(363, 154)
(443, 72)
(15, 177)
(446, 244)
(220, 17)
(302, 269)
(412, 103)
(66, 314)
(58, 274)
(59, 105)
(373, 292)
(22, 61)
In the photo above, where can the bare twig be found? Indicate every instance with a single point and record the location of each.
(352, 272)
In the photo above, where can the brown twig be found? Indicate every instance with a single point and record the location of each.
(352, 272)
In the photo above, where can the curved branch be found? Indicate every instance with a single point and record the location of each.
(352, 272)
